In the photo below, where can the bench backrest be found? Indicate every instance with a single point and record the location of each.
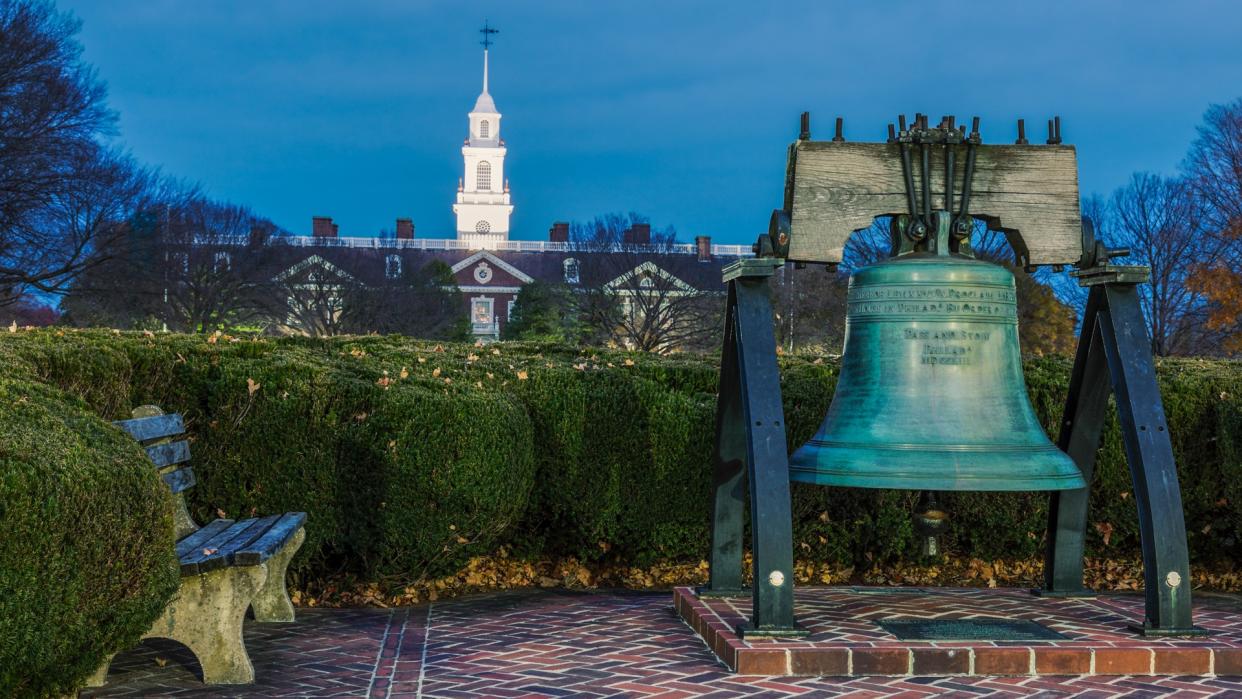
(163, 436)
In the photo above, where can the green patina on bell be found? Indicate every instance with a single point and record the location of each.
(931, 394)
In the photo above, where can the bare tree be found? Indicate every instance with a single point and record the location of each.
(423, 303)
(211, 252)
(315, 302)
(1213, 171)
(635, 291)
(1157, 217)
(62, 193)
(188, 264)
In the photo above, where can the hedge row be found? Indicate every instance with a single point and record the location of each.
(86, 563)
(410, 457)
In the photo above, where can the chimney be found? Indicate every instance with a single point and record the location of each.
(405, 229)
(703, 245)
(559, 232)
(640, 234)
(323, 227)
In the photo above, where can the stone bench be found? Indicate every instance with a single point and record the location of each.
(227, 565)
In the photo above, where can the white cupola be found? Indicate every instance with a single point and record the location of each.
(483, 206)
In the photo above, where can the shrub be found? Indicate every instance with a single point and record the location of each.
(560, 451)
(86, 555)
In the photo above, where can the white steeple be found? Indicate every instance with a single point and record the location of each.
(483, 206)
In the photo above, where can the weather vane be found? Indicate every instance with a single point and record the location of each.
(487, 32)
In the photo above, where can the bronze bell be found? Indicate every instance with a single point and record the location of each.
(931, 394)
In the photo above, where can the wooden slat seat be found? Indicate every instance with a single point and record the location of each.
(227, 565)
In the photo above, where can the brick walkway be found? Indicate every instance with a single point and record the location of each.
(550, 643)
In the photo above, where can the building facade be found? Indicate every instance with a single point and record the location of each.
(488, 265)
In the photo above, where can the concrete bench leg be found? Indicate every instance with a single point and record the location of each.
(272, 602)
(100, 675)
(206, 616)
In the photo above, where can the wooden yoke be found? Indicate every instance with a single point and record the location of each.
(1028, 192)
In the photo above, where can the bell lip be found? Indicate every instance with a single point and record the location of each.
(853, 480)
(869, 471)
(990, 448)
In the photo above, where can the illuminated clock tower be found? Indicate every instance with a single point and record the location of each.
(483, 205)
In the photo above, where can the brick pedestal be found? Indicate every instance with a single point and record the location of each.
(845, 639)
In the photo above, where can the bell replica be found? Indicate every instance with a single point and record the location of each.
(931, 394)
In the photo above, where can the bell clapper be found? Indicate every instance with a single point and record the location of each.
(930, 522)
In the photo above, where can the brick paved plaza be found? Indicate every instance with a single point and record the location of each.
(560, 643)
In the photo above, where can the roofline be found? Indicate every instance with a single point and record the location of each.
(375, 243)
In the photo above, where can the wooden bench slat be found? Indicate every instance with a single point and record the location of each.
(181, 479)
(225, 544)
(168, 454)
(144, 429)
(198, 538)
(272, 541)
(193, 561)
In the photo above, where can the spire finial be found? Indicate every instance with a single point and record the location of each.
(487, 32)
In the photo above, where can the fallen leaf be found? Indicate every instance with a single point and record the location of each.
(252, 386)
(405, 373)
(220, 513)
(436, 371)
(522, 375)
(210, 552)
(161, 661)
(629, 362)
(1105, 529)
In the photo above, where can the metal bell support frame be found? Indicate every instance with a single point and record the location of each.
(1114, 352)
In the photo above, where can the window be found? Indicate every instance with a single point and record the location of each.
(481, 311)
(223, 263)
(571, 270)
(509, 310)
(646, 282)
(484, 129)
(483, 227)
(483, 175)
(392, 266)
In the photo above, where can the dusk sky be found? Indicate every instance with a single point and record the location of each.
(680, 111)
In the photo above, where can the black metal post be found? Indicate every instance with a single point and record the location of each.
(729, 478)
(750, 432)
(1085, 410)
(1115, 336)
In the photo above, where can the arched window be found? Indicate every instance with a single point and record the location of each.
(483, 175)
(392, 266)
(484, 129)
(571, 270)
(223, 263)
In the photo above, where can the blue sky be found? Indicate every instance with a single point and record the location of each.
(677, 110)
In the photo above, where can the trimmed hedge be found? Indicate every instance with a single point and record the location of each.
(86, 556)
(411, 456)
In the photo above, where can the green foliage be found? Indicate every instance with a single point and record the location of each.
(411, 456)
(544, 312)
(86, 557)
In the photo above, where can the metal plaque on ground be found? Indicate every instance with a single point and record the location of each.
(969, 630)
